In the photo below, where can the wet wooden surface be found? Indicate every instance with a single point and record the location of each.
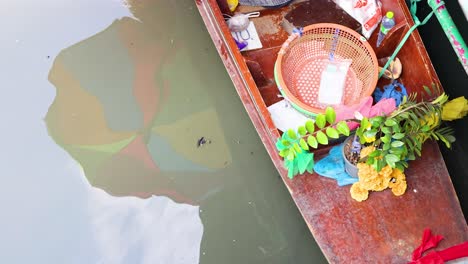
(320, 11)
(385, 228)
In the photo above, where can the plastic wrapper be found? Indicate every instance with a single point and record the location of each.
(366, 12)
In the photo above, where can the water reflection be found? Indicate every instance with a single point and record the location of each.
(134, 95)
(126, 112)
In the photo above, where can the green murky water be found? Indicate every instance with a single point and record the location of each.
(146, 107)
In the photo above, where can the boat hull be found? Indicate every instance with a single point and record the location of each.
(385, 228)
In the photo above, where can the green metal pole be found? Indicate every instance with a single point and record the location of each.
(451, 31)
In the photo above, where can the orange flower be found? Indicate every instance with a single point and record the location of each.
(358, 193)
(366, 151)
(399, 189)
(372, 180)
(397, 176)
(398, 182)
(366, 172)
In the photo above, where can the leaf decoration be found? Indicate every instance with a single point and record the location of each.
(343, 128)
(284, 153)
(330, 115)
(310, 126)
(302, 130)
(279, 145)
(322, 138)
(297, 148)
(320, 121)
(303, 144)
(310, 165)
(292, 134)
(332, 133)
(302, 164)
(312, 141)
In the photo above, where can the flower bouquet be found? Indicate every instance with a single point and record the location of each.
(381, 147)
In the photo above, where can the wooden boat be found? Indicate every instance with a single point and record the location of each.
(385, 228)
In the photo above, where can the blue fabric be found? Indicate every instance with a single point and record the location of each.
(298, 30)
(395, 90)
(333, 166)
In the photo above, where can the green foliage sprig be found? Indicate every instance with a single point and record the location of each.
(399, 137)
(294, 145)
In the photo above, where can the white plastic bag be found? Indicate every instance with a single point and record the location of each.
(333, 82)
(366, 12)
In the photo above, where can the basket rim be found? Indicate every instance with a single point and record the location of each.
(288, 94)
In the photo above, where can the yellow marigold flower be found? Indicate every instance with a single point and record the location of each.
(455, 109)
(400, 188)
(358, 193)
(366, 172)
(386, 172)
(372, 180)
(366, 151)
(384, 179)
(397, 176)
(380, 184)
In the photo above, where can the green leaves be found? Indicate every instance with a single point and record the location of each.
(428, 91)
(306, 163)
(297, 148)
(390, 122)
(375, 153)
(370, 133)
(312, 141)
(386, 138)
(302, 163)
(310, 126)
(310, 166)
(391, 159)
(378, 165)
(398, 135)
(397, 144)
(343, 128)
(303, 144)
(387, 130)
(302, 130)
(292, 134)
(284, 153)
(330, 115)
(397, 151)
(320, 121)
(386, 146)
(332, 133)
(364, 123)
(322, 138)
(376, 121)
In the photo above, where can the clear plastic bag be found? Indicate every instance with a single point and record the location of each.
(333, 82)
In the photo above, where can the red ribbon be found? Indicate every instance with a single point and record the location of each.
(437, 257)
